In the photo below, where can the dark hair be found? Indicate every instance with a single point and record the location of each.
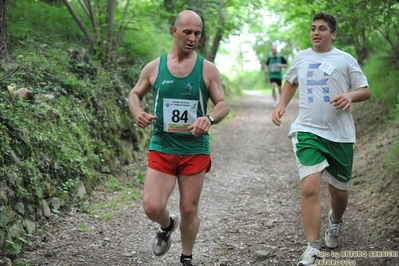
(330, 19)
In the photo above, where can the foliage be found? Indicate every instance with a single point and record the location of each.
(227, 18)
(383, 78)
(360, 24)
(16, 247)
(120, 200)
(84, 228)
(106, 24)
(391, 158)
(114, 184)
(31, 21)
(140, 178)
(70, 185)
(75, 124)
(153, 40)
(391, 161)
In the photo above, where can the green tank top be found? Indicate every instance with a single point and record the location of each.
(274, 71)
(178, 102)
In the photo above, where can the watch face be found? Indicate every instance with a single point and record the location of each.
(211, 118)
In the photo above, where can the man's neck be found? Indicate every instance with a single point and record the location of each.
(181, 56)
(322, 49)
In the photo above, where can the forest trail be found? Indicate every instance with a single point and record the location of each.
(249, 208)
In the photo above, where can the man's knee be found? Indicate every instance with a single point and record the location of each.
(309, 192)
(151, 209)
(337, 194)
(310, 186)
(189, 210)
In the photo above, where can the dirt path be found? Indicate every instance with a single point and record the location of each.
(249, 209)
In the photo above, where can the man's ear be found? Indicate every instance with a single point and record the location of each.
(174, 30)
(334, 35)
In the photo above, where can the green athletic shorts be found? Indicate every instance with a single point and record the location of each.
(312, 150)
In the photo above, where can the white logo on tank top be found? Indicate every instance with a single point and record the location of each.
(167, 81)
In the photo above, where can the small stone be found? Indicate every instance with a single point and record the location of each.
(262, 254)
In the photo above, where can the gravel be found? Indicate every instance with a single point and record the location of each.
(249, 208)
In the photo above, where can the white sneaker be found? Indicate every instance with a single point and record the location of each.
(333, 233)
(162, 242)
(275, 104)
(309, 256)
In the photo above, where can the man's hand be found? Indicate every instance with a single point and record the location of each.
(200, 126)
(277, 115)
(342, 101)
(144, 119)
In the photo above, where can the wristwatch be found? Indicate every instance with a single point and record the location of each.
(211, 119)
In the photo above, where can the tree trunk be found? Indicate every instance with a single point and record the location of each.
(5, 55)
(90, 38)
(209, 52)
(219, 34)
(121, 30)
(110, 31)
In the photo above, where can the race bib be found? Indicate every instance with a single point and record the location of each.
(327, 68)
(275, 67)
(179, 114)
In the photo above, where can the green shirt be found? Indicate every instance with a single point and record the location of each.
(274, 71)
(178, 102)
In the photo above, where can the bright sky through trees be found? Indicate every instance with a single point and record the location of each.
(239, 55)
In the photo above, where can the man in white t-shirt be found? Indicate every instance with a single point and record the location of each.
(323, 134)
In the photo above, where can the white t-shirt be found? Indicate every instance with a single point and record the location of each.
(321, 77)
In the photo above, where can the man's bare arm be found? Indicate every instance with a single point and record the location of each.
(221, 107)
(136, 95)
(343, 101)
(288, 92)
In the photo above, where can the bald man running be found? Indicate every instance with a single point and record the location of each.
(182, 82)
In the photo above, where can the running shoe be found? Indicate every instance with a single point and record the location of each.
(333, 233)
(187, 263)
(309, 256)
(162, 241)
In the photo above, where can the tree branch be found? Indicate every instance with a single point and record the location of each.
(110, 26)
(84, 7)
(90, 38)
(121, 28)
(10, 74)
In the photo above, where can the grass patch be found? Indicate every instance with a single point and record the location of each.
(383, 84)
(375, 171)
(116, 195)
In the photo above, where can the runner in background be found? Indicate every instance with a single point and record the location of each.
(273, 67)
